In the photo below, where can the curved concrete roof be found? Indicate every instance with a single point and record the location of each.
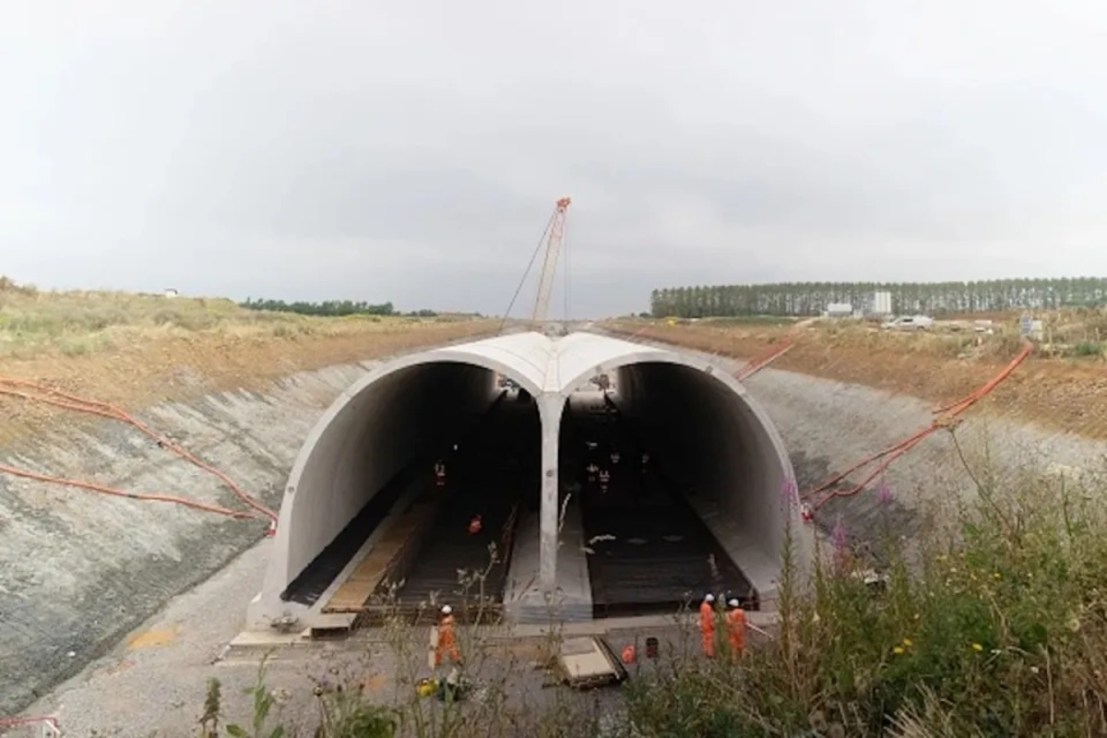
(549, 368)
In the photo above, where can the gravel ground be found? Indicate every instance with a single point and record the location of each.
(154, 682)
(155, 679)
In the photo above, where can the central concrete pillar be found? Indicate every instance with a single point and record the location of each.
(550, 407)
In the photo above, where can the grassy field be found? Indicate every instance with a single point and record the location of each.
(35, 324)
(135, 350)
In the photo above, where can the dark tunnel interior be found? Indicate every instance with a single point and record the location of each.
(647, 460)
(378, 463)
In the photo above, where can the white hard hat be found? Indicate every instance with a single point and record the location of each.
(733, 603)
(446, 609)
(709, 598)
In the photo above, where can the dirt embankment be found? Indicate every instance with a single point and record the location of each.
(180, 367)
(1061, 394)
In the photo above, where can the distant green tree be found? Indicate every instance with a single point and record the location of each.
(933, 298)
(328, 308)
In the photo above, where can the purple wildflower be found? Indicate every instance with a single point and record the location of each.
(789, 493)
(884, 494)
(839, 537)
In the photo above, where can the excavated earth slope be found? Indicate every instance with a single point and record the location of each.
(78, 570)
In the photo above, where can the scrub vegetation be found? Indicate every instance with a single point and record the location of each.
(135, 350)
(994, 625)
(997, 628)
(35, 323)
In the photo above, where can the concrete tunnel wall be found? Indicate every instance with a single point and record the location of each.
(374, 436)
(714, 441)
(379, 426)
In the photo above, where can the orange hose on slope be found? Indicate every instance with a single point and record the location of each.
(148, 497)
(48, 395)
(894, 452)
(981, 391)
(757, 364)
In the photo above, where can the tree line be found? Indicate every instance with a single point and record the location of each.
(933, 298)
(327, 308)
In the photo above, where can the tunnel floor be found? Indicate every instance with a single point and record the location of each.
(494, 475)
(651, 552)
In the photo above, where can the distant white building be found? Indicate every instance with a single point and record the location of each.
(839, 310)
(879, 304)
(170, 292)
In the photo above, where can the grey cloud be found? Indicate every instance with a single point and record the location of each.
(414, 153)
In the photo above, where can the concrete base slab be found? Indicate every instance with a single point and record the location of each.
(268, 639)
(524, 601)
(259, 642)
(607, 626)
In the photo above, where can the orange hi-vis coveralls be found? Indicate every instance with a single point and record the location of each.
(707, 628)
(736, 631)
(447, 642)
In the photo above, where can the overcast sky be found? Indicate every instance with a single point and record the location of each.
(412, 151)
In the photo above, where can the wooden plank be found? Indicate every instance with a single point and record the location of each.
(385, 560)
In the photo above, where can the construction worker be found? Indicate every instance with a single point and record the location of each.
(615, 457)
(630, 654)
(440, 473)
(642, 473)
(707, 625)
(447, 638)
(605, 477)
(475, 525)
(592, 469)
(736, 629)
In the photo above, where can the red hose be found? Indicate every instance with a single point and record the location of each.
(894, 452)
(49, 395)
(102, 489)
(757, 364)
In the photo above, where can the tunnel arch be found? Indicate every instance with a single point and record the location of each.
(760, 517)
(363, 439)
(305, 527)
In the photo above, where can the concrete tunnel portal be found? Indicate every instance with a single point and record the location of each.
(592, 502)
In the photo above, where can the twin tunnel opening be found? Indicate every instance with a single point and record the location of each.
(593, 502)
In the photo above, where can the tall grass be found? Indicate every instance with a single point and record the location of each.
(76, 323)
